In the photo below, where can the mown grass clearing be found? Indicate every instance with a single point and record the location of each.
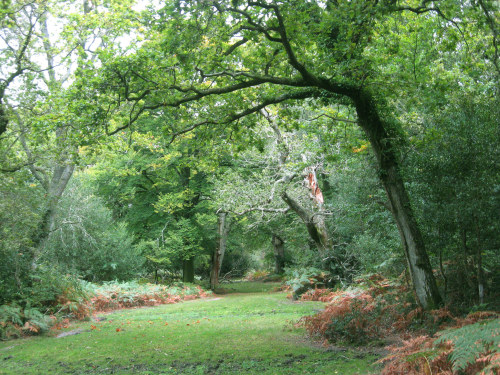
(241, 333)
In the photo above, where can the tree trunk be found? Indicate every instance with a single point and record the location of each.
(315, 223)
(188, 270)
(55, 184)
(279, 254)
(220, 249)
(420, 269)
(4, 120)
(55, 188)
(467, 278)
(479, 265)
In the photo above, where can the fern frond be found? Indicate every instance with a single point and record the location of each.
(471, 341)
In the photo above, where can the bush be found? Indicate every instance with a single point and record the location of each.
(377, 308)
(16, 322)
(20, 209)
(351, 317)
(114, 295)
(357, 315)
(80, 299)
(88, 242)
(303, 279)
(258, 275)
(237, 261)
(51, 288)
(471, 349)
(474, 345)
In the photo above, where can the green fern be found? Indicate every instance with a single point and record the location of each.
(10, 320)
(471, 341)
(37, 319)
(12, 314)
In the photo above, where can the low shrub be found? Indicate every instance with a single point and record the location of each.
(352, 316)
(436, 341)
(113, 295)
(258, 275)
(81, 300)
(471, 349)
(303, 279)
(50, 286)
(16, 322)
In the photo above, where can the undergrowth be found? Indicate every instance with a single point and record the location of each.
(82, 301)
(16, 322)
(306, 280)
(358, 314)
(112, 296)
(261, 275)
(471, 349)
(435, 342)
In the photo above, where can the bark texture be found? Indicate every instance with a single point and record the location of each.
(315, 223)
(54, 188)
(279, 254)
(188, 270)
(220, 249)
(4, 120)
(418, 261)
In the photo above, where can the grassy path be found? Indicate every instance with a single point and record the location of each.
(238, 333)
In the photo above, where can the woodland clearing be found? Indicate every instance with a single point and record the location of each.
(235, 333)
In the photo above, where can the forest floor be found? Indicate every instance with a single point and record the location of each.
(247, 330)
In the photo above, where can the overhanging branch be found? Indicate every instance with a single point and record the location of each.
(251, 110)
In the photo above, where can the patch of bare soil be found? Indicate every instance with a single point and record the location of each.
(71, 333)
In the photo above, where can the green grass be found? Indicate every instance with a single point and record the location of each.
(240, 333)
(250, 287)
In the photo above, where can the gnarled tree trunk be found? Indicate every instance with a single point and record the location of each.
(419, 265)
(314, 222)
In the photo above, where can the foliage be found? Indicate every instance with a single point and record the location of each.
(19, 216)
(454, 169)
(113, 295)
(366, 311)
(225, 105)
(49, 283)
(351, 316)
(376, 309)
(10, 321)
(87, 241)
(477, 343)
(301, 280)
(470, 349)
(160, 191)
(364, 226)
(257, 275)
(238, 260)
(16, 322)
